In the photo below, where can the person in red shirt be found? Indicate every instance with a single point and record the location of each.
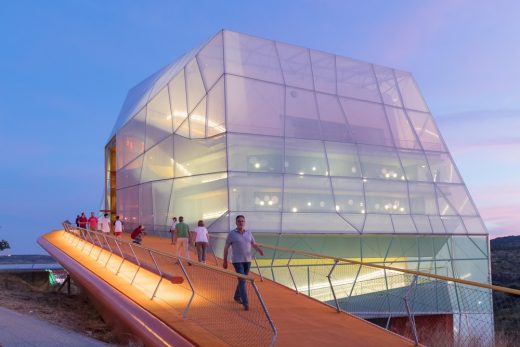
(82, 220)
(93, 222)
(137, 234)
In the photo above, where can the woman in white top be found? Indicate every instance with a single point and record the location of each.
(201, 241)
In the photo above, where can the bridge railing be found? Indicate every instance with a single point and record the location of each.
(432, 309)
(200, 293)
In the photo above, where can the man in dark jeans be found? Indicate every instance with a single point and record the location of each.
(241, 241)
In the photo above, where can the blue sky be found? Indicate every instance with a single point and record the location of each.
(65, 68)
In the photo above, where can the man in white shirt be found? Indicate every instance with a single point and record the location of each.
(105, 224)
(118, 227)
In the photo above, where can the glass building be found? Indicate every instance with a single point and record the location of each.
(320, 152)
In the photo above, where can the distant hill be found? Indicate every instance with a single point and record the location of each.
(26, 259)
(505, 243)
(505, 271)
(505, 261)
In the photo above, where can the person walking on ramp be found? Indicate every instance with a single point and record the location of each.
(241, 241)
(182, 231)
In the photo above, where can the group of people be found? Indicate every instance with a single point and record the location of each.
(93, 223)
(240, 240)
(182, 238)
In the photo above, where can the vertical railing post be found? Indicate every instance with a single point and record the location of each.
(411, 317)
(100, 246)
(110, 248)
(191, 286)
(258, 268)
(137, 261)
(160, 274)
(264, 307)
(122, 256)
(290, 272)
(331, 286)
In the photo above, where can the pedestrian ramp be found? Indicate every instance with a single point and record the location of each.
(165, 300)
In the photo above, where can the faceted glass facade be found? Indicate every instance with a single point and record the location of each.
(320, 152)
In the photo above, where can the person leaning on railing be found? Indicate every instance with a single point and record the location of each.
(241, 241)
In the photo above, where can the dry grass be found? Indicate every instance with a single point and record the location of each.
(33, 296)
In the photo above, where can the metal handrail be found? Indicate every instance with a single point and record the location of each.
(86, 235)
(384, 267)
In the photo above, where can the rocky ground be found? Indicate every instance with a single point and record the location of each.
(31, 293)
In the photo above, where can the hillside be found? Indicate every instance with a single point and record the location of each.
(505, 268)
(505, 261)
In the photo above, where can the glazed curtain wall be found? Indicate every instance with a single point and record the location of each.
(300, 141)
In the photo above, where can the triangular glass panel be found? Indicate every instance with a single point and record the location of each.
(404, 136)
(194, 85)
(415, 166)
(426, 251)
(423, 224)
(198, 121)
(442, 168)
(356, 220)
(211, 60)
(426, 131)
(453, 225)
(158, 161)
(220, 225)
(387, 86)
(474, 225)
(441, 247)
(158, 119)
(437, 225)
(130, 174)
(458, 198)
(296, 65)
(348, 194)
(184, 129)
(403, 224)
(445, 208)
(375, 247)
(411, 95)
(465, 248)
(403, 247)
(216, 109)
(177, 91)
